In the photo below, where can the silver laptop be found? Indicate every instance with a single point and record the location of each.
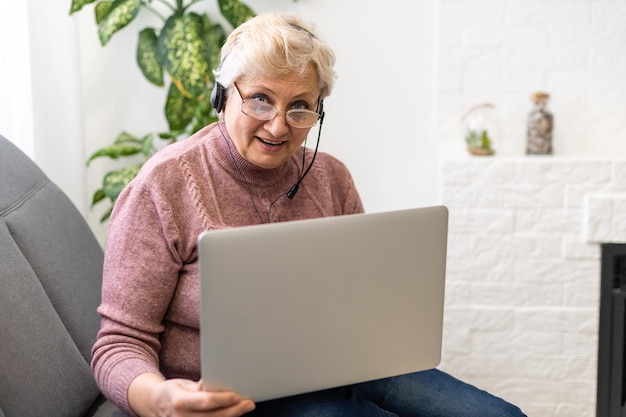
(295, 307)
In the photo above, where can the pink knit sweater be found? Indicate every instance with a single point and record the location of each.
(150, 292)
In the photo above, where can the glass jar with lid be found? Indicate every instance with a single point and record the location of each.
(539, 126)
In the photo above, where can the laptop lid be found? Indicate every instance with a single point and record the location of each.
(295, 307)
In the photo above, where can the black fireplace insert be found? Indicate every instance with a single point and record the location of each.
(611, 389)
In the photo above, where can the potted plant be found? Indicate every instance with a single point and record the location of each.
(481, 125)
(179, 56)
(479, 142)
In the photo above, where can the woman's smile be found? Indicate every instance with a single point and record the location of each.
(270, 143)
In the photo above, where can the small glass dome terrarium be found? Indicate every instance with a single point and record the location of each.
(481, 129)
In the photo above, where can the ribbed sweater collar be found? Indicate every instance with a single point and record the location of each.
(229, 158)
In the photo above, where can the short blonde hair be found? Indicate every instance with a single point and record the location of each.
(275, 44)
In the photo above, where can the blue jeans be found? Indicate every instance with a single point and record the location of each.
(430, 393)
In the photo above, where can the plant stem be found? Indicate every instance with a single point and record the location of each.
(154, 11)
(191, 3)
(167, 4)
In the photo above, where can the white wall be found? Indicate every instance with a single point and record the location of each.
(57, 115)
(16, 96)
(379, 120)
(39, 91)
(502, 51)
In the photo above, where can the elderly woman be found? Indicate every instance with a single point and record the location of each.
(248, 168)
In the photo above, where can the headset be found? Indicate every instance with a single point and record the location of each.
(218, 97)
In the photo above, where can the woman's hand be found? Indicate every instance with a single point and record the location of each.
(150, 395)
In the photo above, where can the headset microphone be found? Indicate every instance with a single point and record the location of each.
(293, 190)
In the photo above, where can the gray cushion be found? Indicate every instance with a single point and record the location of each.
(103, 408)
(50, 281)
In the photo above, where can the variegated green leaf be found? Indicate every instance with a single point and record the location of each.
(203, 114)
(121, 13)
(178, 108)
(78, 4)
(171, 136)
(147, 57)
(115, 151)
(235, 11)
(146, 145)
(98, 196)
(215, 38)
(106, 215)
(102, 10)
(127, 138)
(115, 181)
(184, 53)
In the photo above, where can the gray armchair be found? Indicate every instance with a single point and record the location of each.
(50, 281)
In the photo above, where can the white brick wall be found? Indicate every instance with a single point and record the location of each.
(501, 51)
(522, 289)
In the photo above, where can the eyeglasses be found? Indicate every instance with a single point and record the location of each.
(261, 110)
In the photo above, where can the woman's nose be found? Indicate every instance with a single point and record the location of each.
(278, 125)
